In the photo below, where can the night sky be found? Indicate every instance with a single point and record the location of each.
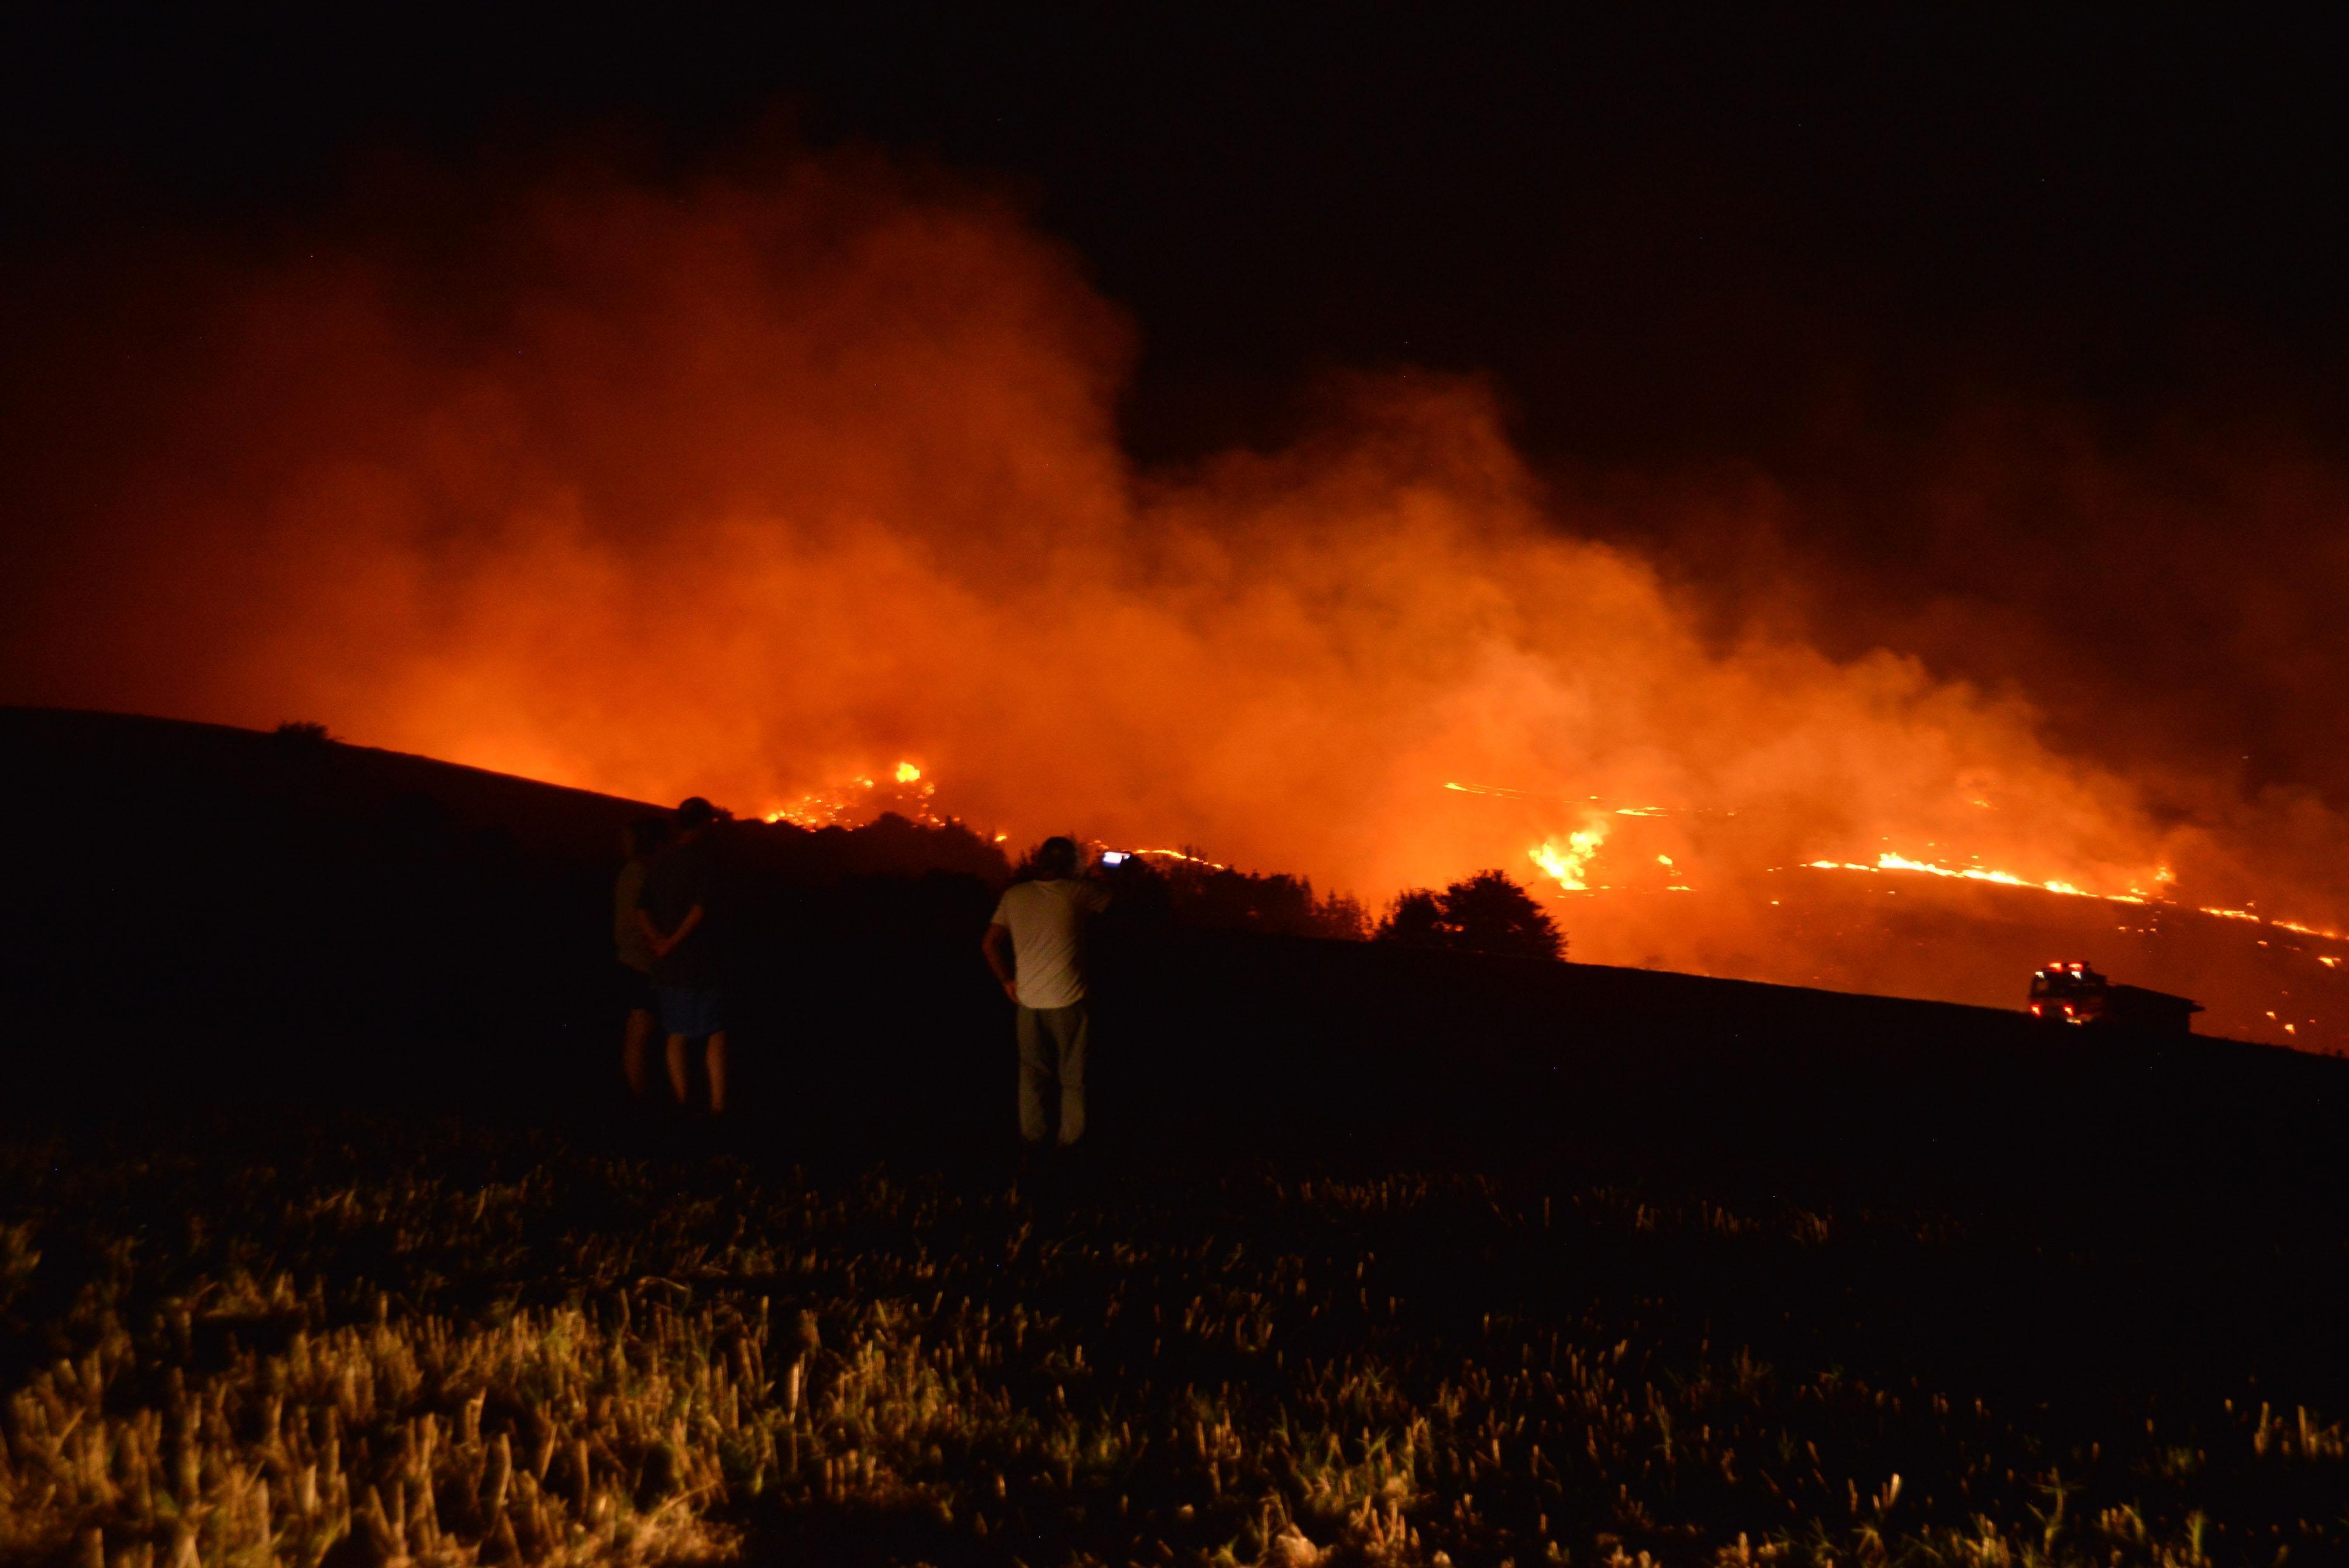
(1667, 234)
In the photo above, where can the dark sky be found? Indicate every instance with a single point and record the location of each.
(1902, 267)
(1666, 233)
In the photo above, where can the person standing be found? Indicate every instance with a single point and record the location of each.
(1035, 945)
(633, 949)
(675, 911)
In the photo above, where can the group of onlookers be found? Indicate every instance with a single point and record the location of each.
(664, 931)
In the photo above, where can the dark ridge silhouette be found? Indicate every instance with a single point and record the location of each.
(201, 911)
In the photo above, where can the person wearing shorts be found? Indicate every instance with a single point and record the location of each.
(675, 913)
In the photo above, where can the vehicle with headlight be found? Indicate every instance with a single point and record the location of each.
(2070, 992)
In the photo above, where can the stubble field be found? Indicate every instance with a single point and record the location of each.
(379, 1340)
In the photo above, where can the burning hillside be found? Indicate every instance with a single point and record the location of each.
(755, 491)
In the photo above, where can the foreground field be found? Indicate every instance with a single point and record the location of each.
(387, 1341)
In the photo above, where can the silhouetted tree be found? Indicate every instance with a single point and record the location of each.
(1342, 915)
(1494, 915)
(1487, 913)
(1196, 892)
(1416, 918)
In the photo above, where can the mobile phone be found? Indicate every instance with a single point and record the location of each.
(1115, 857)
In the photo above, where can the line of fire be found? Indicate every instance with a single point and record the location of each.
(1632, 882)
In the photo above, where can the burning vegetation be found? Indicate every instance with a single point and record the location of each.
(744, 487)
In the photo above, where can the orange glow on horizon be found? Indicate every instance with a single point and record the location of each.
(762, 490)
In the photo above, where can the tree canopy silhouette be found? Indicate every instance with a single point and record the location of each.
(1487, 913)
(1196, 892)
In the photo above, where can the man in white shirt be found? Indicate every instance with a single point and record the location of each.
(1036, 946)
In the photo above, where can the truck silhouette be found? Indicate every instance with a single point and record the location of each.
(2072, 993)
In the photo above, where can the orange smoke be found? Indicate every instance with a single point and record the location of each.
(755, 491)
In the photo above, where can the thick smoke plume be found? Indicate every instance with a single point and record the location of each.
(755, 488)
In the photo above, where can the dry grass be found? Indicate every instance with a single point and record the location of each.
(439, 1348)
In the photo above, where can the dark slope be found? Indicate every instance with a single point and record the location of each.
(208, 910)
(120, 767)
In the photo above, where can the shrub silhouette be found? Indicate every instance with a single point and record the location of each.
(1487, 913)
(1416, 918)
(1196, 892)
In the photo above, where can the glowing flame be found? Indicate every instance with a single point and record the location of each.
(1564, 860)
(1188, 859)
(2309, 931)
(861, 799)
(1889, 861)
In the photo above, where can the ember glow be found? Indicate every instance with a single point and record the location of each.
(860, 800)
(808, 497)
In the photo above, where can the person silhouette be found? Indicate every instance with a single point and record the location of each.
(675, 911)
(1035, 945)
